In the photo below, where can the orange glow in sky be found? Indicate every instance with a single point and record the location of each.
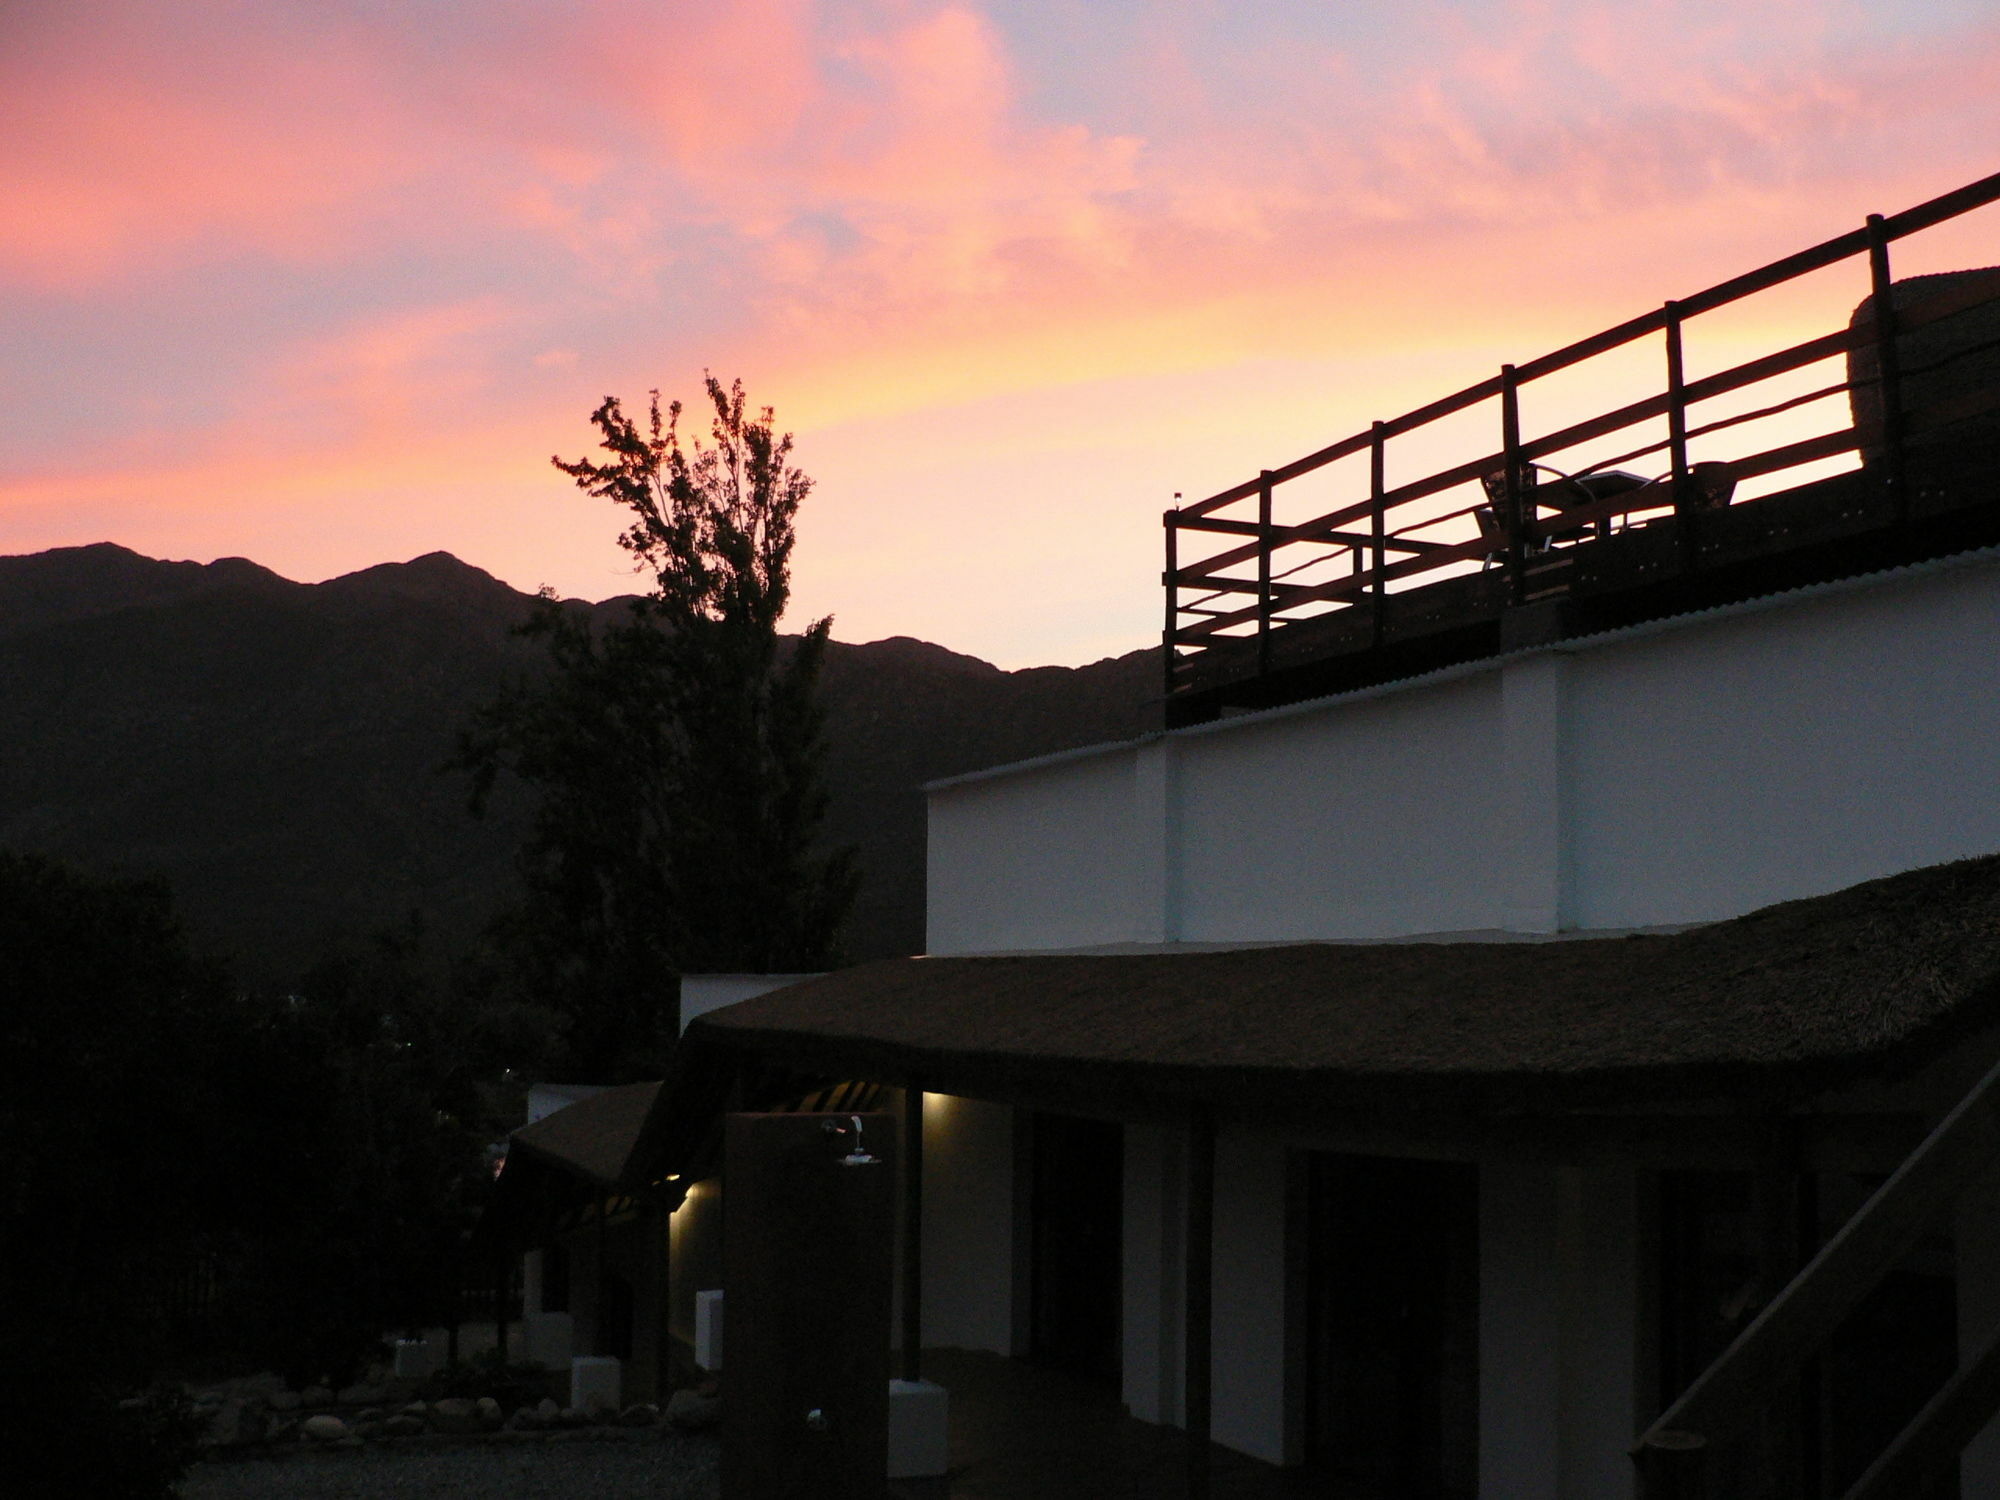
(326, 285)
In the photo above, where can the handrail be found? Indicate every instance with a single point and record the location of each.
(1797, 1323)
(1363, 529)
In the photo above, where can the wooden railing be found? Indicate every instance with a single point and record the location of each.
(1387, 539)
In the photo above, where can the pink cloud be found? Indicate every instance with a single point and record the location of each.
(874, 212)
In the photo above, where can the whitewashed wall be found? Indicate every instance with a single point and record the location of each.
(1670, 774)
(968, 1224)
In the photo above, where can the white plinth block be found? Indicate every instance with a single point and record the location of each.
(596, 1382)
(708, 1330)
(919, 1422)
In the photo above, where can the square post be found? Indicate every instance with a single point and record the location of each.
(1510, 446)
(1198, 1261)
(1377, 525)
(1888, 368)
(1264, 573)
(1677, 437)
(1171, 520)
(913, 1230)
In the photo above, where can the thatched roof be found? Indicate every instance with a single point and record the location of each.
(562, 1163)
(591, 1139)
(1781, 1002)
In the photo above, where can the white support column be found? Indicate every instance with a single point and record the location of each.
(1156, 841)
(1598, 1225)
(1249, 1325)
(1977, 1254)
(1520, 1317)
(1534, 896)
(531, 1283)
(1154, 1214)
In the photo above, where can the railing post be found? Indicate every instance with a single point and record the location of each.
(1172, 522)
(1888, 367)
(1264, 573)
(913, 1229)
(1198, 1300)
(1510, 444)
(1377, 525)
(1677, 436)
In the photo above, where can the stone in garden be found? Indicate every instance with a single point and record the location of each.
(524, 1420)
(403, 1425)
(692, 1412)
(641, 1414)
(370, 1414)
(285, 1400)
(456, 1414)
(417, 1409)
(570, 1416)
(316, 1395)
(490, 1416)
(548, 1411)
(325, 1428)
(284, 1430)
(235, 1423)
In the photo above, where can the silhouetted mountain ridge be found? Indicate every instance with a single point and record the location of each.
(273, 748)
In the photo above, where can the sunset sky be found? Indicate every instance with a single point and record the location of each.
(325, 284)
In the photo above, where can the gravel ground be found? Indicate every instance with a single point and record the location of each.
(658, 1464)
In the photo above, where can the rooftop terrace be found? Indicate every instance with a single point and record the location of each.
(1866, 446)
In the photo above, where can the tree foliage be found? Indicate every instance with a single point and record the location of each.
(675, 754)
(199, 1178)
(116, 1046)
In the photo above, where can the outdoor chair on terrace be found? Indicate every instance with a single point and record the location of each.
(1711, 484)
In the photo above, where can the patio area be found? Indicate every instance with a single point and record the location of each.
(1019, 1432)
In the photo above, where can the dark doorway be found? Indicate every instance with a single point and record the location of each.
(1076, 1264)
(1392, 1320)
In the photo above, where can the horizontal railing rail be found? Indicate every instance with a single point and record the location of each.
(1391, 538)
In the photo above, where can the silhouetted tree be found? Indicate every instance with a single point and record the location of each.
(676, 755)
(116, 1049)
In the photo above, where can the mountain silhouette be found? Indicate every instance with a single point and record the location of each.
(273, 749)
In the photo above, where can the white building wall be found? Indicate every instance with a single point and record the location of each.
(968, 1224)
(1671, 774)
(702, 993)
(1377, 820)
(1786, 753)
(1045, 860)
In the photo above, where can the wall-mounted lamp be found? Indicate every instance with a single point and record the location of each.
(857, 1153)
